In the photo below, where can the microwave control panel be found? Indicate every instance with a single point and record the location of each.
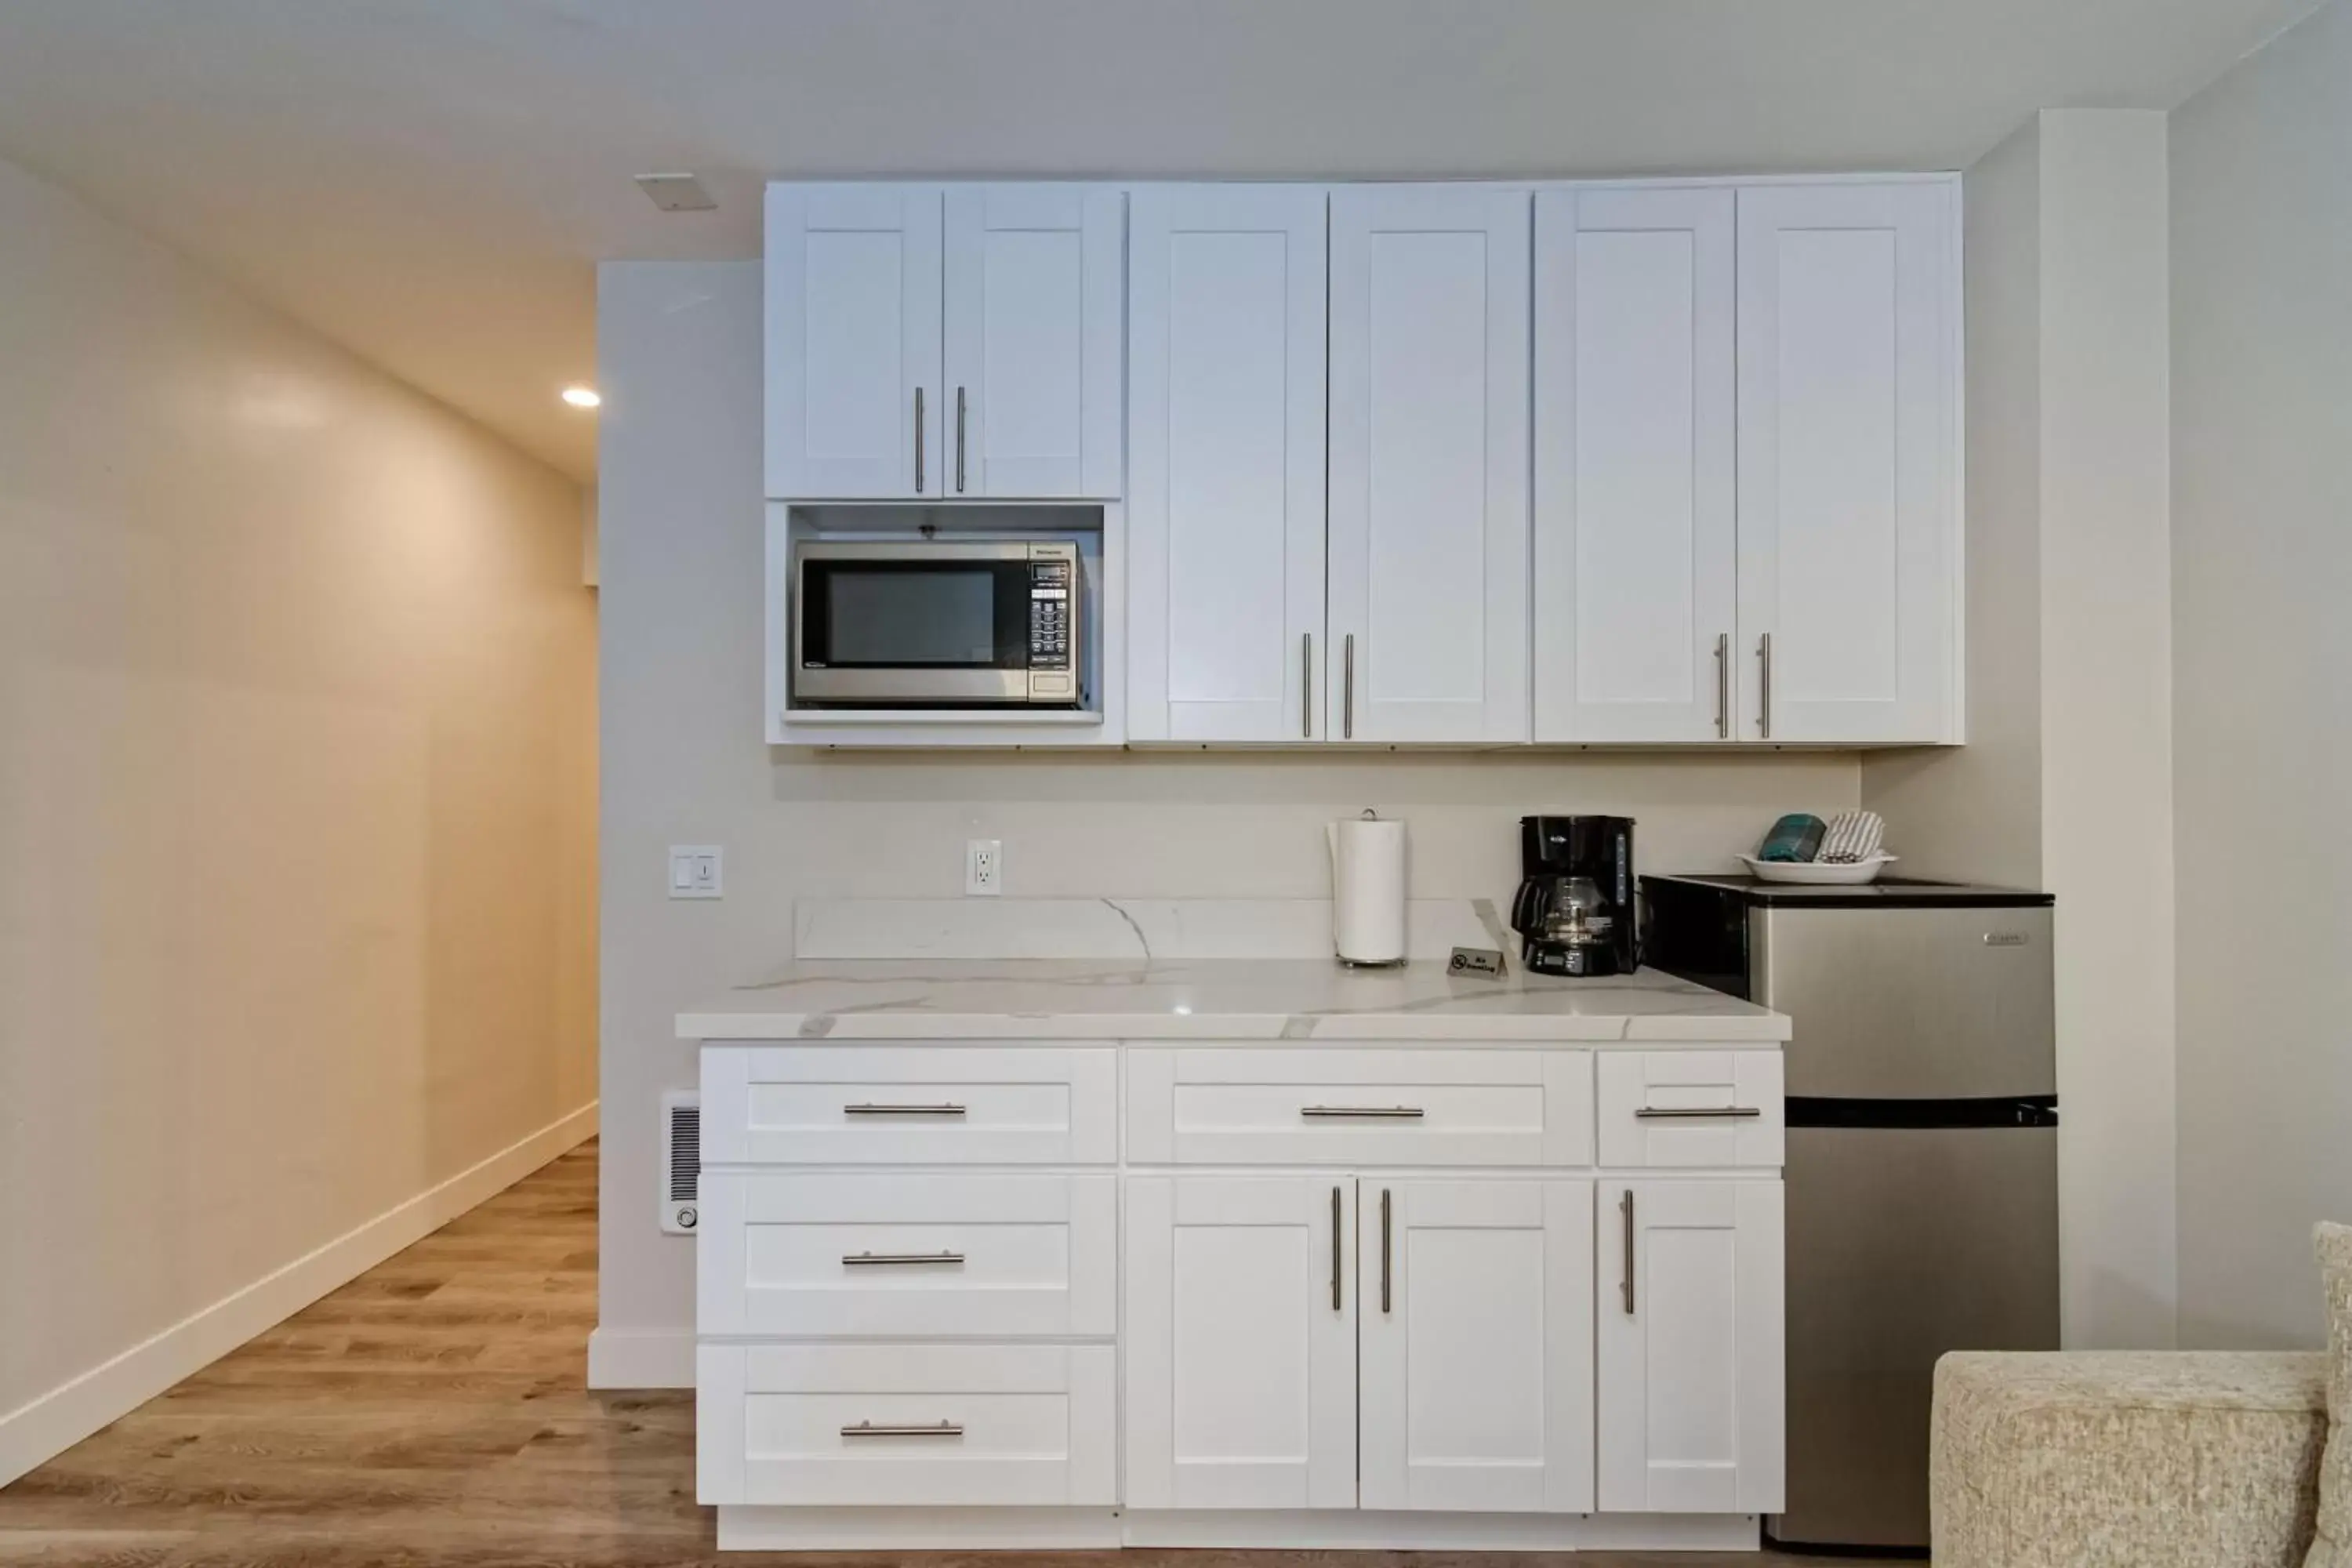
(1050, 621)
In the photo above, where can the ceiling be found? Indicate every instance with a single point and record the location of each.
(431, 182)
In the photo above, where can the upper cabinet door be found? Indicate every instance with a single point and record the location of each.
(1477, 1345)
(1691, 1387)
(1241, 1341)
(1032, 391)
(1849, 413)
(853, 351)
(1225, 510)
(1429, 464)
(1635, 547)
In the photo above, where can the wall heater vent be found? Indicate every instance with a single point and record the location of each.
(681, 1164)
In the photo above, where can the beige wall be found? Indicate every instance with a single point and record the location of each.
(296, 796)
(685, 762)
(2262, 442)
(2066, 781)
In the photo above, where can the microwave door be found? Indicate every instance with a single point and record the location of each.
(926, 627)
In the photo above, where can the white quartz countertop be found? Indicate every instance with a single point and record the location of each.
(1215, 999)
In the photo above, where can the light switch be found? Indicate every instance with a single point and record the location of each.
(697, 871)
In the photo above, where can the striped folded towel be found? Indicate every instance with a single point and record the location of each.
(1852, 836)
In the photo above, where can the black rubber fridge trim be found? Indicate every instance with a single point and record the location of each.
(1997, 1111)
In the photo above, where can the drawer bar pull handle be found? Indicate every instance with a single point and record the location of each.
(891, 1259)
(1402, 1112)
(867, 1429)
(902, 1110)
(1693, 1112)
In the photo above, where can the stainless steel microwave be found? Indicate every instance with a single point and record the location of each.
(985, 623)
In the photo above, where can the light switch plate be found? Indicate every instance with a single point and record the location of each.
(698, 871)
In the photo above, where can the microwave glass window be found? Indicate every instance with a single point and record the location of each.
(902, 617)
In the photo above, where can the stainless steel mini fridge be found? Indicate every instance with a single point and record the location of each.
(1921, 1157)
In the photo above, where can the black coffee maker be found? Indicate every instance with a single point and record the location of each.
(1575, 908)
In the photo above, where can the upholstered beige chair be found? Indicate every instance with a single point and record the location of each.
(2134, 1460)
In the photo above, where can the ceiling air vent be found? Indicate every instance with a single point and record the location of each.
(681, 1164)
(676, 192)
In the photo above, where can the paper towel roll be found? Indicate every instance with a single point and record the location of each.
(1367, 919)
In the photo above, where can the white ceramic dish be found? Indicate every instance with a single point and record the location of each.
(1819, 873)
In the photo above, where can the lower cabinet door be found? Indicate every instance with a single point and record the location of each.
(1691, 1386)
(1241, 1341)
(1477, 1345)
(942, 1426)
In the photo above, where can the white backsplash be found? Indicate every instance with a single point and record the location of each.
(1115, 927)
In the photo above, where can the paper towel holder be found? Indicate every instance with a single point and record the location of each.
(1388, 938)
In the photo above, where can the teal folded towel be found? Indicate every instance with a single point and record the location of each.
(1796, 836)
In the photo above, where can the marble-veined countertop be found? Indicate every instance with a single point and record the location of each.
(1283, 999)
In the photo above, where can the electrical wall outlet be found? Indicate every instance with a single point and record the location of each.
(697, 871)
(983, 867)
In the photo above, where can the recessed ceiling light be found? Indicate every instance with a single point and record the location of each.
(582, 397)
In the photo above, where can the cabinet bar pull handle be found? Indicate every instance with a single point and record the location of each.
(1384, 1249)
(918, 440)
(1693, 1112)
(1764, 653)
(1306, 686)
(1347, 693)
(1394, 1112)
(1626, 1208)
(894, 1260)
(867, 1429)
(1335, 1249)
(869, 1109)
(959, 440)
(1723, 687)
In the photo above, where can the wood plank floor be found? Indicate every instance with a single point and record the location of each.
(433, 1412)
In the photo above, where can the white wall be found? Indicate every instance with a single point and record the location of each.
(2106, 728)
(2262, 442)
(685, 762)
(2070, 658)
(1975, 813)
(296, 804)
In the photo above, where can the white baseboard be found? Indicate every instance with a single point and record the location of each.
(759, 1527)
(49, 1424)
(765, 1529)
(1365, 1529)
(641, 1358)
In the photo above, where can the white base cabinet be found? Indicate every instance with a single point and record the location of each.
(1241, 1341)
(1476, 1367)
(1462, 1299)
(1692, 1388)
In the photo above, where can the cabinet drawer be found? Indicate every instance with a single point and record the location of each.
(1281, 1106)
(857, 1425)
(849, 1105)
(1690, 1108)
(903, 1256)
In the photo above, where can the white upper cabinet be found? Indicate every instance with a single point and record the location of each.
(1849, 418)
(1430, 335)
(852, 348)
(927, 342)
(1635, 504)
(1691, 1387)
(1476, 1303)
(1226, 500)
(1031, 393)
